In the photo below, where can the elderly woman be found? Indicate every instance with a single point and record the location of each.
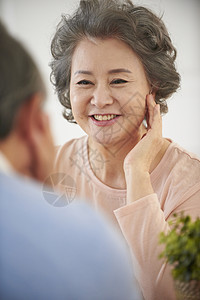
(113, 69)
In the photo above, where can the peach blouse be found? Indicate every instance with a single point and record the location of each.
(176, 183)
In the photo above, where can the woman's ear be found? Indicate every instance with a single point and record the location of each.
(153, 91)
(150, 90)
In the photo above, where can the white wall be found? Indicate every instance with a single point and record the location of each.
(34, 23)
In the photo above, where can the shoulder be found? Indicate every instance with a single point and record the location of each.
(71, 145)
(178, 162)
(22, 200)
(71, 240)
(19, 187)
(182, 170)
(23, 205)
(69, 149)
(183, 159)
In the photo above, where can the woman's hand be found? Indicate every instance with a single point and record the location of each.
(142, 158)
(144, 153)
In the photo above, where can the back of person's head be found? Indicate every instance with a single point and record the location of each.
(19, 80)
(135, 25)
(25, 137)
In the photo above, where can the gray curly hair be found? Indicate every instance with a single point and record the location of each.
(135, 25)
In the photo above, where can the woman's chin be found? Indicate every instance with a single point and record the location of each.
(107, 135)
(114, 144)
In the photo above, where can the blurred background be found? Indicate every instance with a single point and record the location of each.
(34, 23)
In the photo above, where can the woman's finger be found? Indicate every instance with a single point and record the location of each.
(150, 106)
(157, 121)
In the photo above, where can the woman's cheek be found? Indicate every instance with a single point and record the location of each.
(78, 109)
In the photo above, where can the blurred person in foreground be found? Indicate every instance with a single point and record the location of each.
(46, 252)
(113, 68)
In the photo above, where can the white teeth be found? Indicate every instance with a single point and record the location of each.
(104, 117)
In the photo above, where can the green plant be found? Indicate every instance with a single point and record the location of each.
(182, 248)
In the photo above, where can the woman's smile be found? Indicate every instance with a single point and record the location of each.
(104, 119)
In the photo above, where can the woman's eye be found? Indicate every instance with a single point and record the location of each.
(84, 82)
(118, 81)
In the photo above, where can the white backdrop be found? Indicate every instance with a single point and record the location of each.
(34, 23)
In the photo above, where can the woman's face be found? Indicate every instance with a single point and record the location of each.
(108, 90)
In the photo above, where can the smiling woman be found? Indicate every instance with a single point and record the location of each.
(113, 68)
(105, 20)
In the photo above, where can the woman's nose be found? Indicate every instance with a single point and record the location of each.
(102, 97)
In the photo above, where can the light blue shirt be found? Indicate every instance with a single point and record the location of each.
(49, 252)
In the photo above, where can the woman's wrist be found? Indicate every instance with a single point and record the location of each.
(135, 170)
(138, 184)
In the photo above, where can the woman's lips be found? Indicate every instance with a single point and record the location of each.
(105, 119)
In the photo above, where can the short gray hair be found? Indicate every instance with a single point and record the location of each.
(19, 80)
(135, 25)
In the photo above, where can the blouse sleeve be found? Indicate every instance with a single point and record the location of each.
(141, 223)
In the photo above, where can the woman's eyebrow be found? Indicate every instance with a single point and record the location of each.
(83, 72)
(121, 70)
(113, 71)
